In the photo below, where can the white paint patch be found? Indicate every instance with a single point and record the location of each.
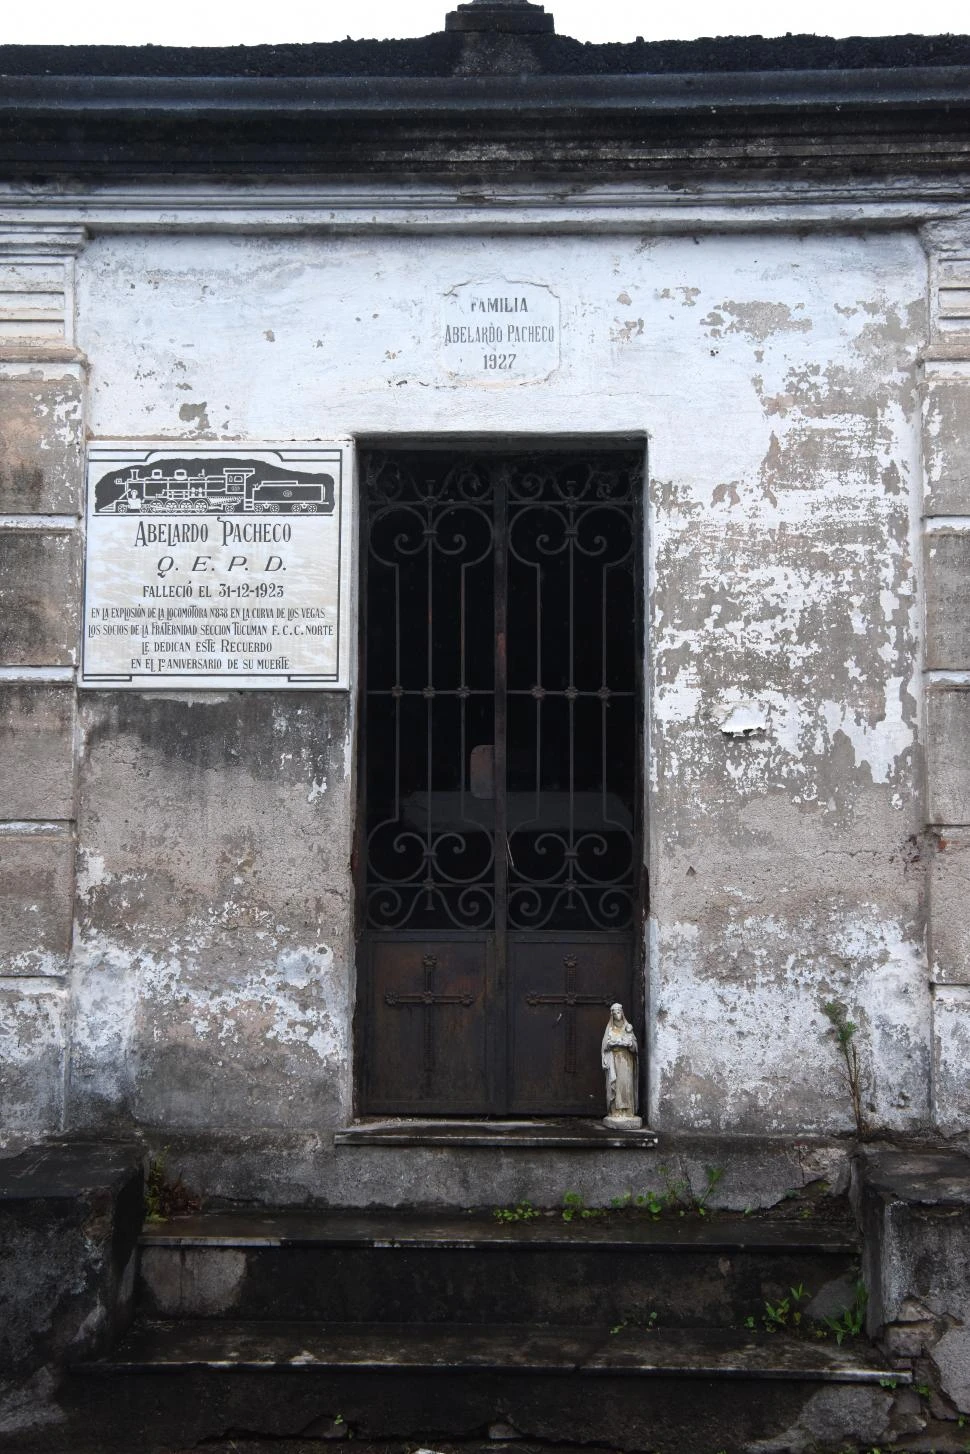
(318, 790)
(743, 719)
(782, 589)
(749, 1042)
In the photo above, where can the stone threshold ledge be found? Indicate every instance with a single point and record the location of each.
(326, 1228)
(563, 1134)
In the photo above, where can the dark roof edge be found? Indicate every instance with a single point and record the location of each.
(447, 53)
(923, 87)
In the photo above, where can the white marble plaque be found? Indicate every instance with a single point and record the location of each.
(211, 566)
(500, 332)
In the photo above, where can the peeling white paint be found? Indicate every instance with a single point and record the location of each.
(318, 790)
(743, 719)
(775, 376)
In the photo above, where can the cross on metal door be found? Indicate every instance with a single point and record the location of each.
(499, 862)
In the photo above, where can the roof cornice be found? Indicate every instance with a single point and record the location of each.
(487, 126)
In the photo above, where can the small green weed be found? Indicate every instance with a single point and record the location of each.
(521, 1212)
(845, 1031)
(651, 1202)
(681, 1197)
(781, 1315)
(677, 1197)
(713, 1175)
(574, 1206)
(852, 1322)
(154, 1182)
(165, 1198)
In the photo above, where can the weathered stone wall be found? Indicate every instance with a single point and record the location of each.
(915, 1215)
(69, 1222)
(201, 978)
(41, 474)
(946, 546)
(214, 956)
(775, 378)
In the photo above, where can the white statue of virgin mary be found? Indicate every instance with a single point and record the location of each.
(619, 1059)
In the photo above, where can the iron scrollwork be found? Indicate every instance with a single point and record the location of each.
(430, 860)
(570, 840)
(572, 846)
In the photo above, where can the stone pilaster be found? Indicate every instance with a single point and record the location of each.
(946, 564)
(41, 488)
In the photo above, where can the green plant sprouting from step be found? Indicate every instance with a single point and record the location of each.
(154, 1184)
(783, 1315)
(845, 1031)
(852, 1321)
(677, 1198)
(165, 1198)
(573, 1206)
(713, 1176)
(521, 1212)
(786, 1315)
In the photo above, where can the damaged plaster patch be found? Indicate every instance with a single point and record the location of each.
(877, 745)
(740, 1035)
(756, 320)
(952, 1358)
(831, 1416)
(277, 1001)
(742, 719)
(33, 1016)
(196, 414)
(194, 1285)
(625, 330)
(143, 1018)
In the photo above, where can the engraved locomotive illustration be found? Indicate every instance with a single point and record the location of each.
(208, 487)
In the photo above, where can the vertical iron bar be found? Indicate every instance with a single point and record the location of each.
(570, 1013)
(604, 577)
(638, 476)
(428, 1012)
(501, 1023)
(462, 699)
(429, 684)
(571, 699)
(364, 1004)
(396, 683)
(537, 810)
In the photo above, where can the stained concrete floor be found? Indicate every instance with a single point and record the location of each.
(319, 1446)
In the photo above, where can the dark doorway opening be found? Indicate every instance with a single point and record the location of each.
(500, 858)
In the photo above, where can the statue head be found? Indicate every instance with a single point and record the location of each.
(616, 1013)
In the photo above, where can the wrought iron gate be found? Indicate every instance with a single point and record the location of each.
(501, 784)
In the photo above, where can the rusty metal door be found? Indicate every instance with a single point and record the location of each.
(499, 861)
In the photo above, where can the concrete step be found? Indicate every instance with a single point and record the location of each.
(673, 1392)
(157, 1345)
(385, 1267)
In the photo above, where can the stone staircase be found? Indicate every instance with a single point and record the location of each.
(617, 1330)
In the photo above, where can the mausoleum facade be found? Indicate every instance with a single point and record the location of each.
(486, 536)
